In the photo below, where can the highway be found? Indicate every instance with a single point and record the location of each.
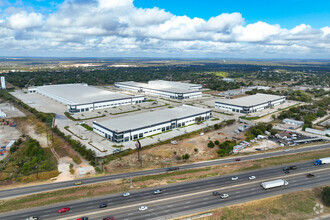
(21, 191)
(184, 198)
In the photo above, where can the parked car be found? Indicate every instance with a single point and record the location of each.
(234, 178)
(216, 193)
(224, 196)
(258, 149)
(252, 177)
(142, 208)
(63, 210)
(158, 191)
(310, 175)
(126, 194)
(78, 183)
(103, 205)
(82, 218)
(172, 168)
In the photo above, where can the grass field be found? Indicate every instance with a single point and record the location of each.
(298, 206)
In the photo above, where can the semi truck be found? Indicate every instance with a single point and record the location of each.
(322, 161)
(274, 183)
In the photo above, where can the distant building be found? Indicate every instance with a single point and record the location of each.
(228, 80)
(84, 98)
(168, 89)
(2, 114)
(3, 82)
(243, 90)
(249, 104)
(293, 122)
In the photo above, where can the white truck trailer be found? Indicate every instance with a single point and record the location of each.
(274, 183)
(322, 161)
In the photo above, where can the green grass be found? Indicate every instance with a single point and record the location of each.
(169, 174)
(249, 118)
(69, 116)
(125, 112)
(89, 128)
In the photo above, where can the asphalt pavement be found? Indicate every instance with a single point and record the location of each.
(184, 198)
(20, 191)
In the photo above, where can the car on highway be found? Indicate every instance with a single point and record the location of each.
(216, 193)
(158, 191)
(108, 218)
(103, 205)
(287, 171)
(293, 167)
(252, 177)
(82, 218)
(63, 210)
(78, 183)
(310, 175)
(224, 196)
(286, 150)
(172, 168)
(234, 178)
(32, 218)
(142, 208)
(126, 194)
(237, 159)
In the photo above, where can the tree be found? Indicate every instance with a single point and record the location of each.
(216, 142)
(210, 144)
(326, 195)
(185, 157)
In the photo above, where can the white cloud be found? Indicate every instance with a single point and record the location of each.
(24, 20)
(112, 27)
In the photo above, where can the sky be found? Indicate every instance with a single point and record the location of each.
(166, 28)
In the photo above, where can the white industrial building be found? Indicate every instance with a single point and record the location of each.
(3, 82)
(136, 126)
(84, 98)
(249, 104)
(168, 89)
(292, 122)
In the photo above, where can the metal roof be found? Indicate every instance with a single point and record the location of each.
(74, 94)
(166, 86)
(251, 100)
(147, 119)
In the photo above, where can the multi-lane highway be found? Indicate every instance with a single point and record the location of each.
(61, 185)
(184, 198)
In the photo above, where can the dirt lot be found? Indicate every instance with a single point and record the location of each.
(166, 155)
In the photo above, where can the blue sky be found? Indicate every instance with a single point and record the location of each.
(287, 13)
(180, 28)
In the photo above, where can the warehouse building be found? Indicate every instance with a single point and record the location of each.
(249, 104)
(292, 122)
(84, 98)
(132, 127)
(168, 89)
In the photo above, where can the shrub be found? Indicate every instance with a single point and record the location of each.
(216, 142)
(196, 150)
(326, 195)
(185, 157)
(210, 144)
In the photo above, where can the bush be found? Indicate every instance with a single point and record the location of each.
(210, 144)
(196, 150)
(216, 142)
(185, 157)
(326, 195)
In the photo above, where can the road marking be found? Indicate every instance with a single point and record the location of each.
(187, 195)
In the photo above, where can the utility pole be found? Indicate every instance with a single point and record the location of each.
(37, 172)
(139, 147)
(131, 183)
